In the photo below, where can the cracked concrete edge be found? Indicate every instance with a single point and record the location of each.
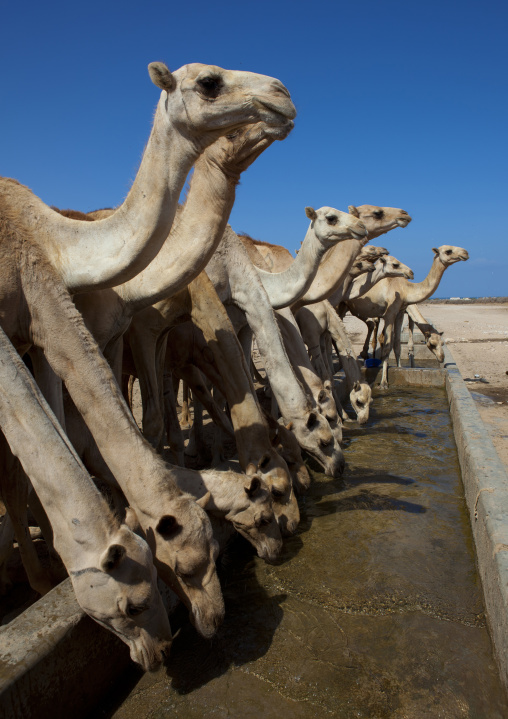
(486, 490)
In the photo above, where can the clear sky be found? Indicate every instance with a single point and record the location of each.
(399, 103)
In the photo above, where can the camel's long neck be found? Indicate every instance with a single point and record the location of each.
(224, 488)
(331, 272)
(195, 234)
(284, 288)
(420, 291)
(107, 252)
(78, 514)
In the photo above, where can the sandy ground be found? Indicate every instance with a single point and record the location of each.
(477, 336)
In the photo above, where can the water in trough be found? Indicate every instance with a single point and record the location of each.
(374, 609)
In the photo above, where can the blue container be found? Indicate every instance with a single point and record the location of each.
(372, 362)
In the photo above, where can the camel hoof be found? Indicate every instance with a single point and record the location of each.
(383, 385)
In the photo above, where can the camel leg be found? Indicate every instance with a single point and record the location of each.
(375, 329)
(410, 341)
(171, 423)
(6, 548)
(15, 490)
(364, 354)
(185, 415)
(397, 332)
(386, 350)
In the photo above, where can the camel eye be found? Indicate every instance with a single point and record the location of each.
(448, 252)
(278, 493)
(210, 86)
(360, 404)
(134, 611)
(378, 214)
(396, 266)
(265, 521)
(332, 219)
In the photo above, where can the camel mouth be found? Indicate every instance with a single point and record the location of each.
(403, 221)
(359, 235)
(281, 114)
(410, 275)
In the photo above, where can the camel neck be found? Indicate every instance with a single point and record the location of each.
(284, 288)
(331, 273)
(110, 251)
(78, 514)
(195, 234)
(420, 291)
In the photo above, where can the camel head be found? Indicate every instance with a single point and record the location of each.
(327, 406)
(379, 220)
(330, 225)
(371, 252)
(236, 151)
(119, 590)
(272, 469)
(361, 399)
(206, 102)
(252, 515)
(185, 554)
(360, 267)
(434, 342)
(284, 441)
(314, 434)
(449, 255)
(393, 268)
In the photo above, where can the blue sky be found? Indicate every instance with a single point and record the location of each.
(399, 103)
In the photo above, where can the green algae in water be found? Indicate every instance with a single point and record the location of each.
(374, 609)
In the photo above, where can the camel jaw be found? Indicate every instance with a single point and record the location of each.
(403, 221)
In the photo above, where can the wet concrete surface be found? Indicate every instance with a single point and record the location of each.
(374, 609)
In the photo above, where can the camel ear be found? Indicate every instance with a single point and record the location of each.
(321, 395)
(311, 213)
(112, 557)
(254, 487)
(382, 259)
(440, 333)
(161, 76)
(327, 385)
(131, 520)
(274, 437)
(427, 334)
(435, 250)
(167, 526)
(353, 211)
(356, 386)
(204, 500)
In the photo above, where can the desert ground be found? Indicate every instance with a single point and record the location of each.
(477, 336)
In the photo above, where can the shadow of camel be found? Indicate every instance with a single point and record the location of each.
(252, 617)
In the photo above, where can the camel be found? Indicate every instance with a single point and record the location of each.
(320, 318)
(433, 338)
(238, 285)
(390, 297)
(198, 104)
(244, 504)
(337, 262)
(45, 255)
(327, 228)
(330, 277)
(110, 567)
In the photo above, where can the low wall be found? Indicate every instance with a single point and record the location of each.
(486, 489)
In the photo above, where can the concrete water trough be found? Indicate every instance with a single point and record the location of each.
(56, 662)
